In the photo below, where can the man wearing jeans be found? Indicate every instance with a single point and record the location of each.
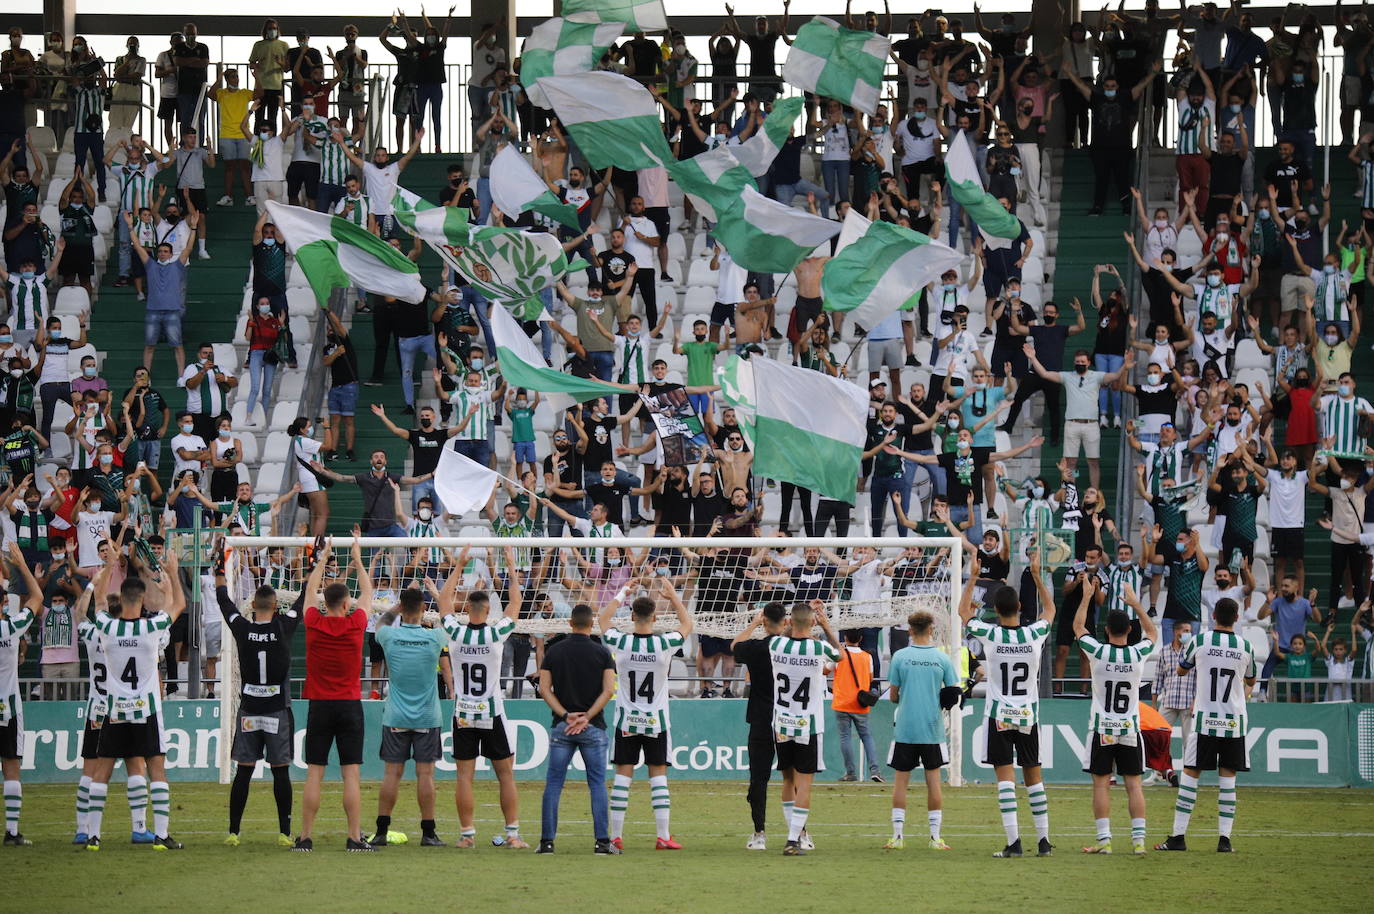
(854, 673)
(787, 178)
(149, 415)
(474, 411)
(594, 310)
(576, 680)
(410, 321)
(888, 473)
(379, 500)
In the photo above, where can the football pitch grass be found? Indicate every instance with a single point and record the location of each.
(1311, 844)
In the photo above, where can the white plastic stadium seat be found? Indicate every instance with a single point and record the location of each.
(271, 477)
(300, 302)
(284, 412)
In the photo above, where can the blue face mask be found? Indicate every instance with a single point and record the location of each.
(477, 362)
(27, 274)
(1298, 79)
(920, 115)
(1109, 93)
(269, 241)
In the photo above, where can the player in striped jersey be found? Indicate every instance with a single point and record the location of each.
(1114, 722)
(642, 659)
(479, 724)
(798, 662)
(1341, 413)
(1011, 658)
(13, 625)
(1225, 665)
(132, 729)
(1126, 574)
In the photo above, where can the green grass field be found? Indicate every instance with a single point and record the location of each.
(1310, 843)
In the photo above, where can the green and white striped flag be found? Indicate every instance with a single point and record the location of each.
(638, 15)
(505, 265)
(614, 119)
(336, 254)
(839, 63)
(759, 151)
(763, 235)
(881, 270)
(966, 187)
(515, 188)
(522, 364)
(711, 178)
(561, 47)
(804, 427)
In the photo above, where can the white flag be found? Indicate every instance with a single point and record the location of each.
(463, 485)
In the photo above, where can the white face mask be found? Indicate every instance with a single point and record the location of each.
(425, 513)
(1332, 339)
(1346, 483)
(1213, 280)
(1161, 224)
(1222, 237)
(1153, 379)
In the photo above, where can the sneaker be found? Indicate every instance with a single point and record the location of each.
(619, 844)
(990, 514)
(80, 838)
(285, 841)
(1044, 848)
(1223, 845)
(986, 331)
(432, 840)
(1138, 847)
(303, 846)
(329, 456)
(605, 849)
(913, 362)
(1174, 843)
(1102, 421)
(363, 309)
(1101, 847)
(806, 842)
(707, 693)
(350, 455)
(938, 844)
(122, 281)
(759, 842)
(1116, 422)
(15, 839)
(250, 200)
(774, 334)
(545, 847)
(359, 847)
(142, 837)
(225, 200)
(93, 843)
(167, 843)
(793, 849)
(848, 779)
(895, 844)
(667, 844)
(407, 410)
(727, 694)
(663, 275)
(372, 382)
(1006, 427)
(876, 778)
(1011, 850)
(202, 254)
(231, 840)
(379, 839)
(141, 297)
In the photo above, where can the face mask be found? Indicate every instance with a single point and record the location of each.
(1233, 422)
(224, 433)
(16, 372)
(173, 218)
(271, 34)
(1038, 491)
(307, 431)
(1345, 390)
(1264, 212)
(1298, 79)
(1109, 93)
(521, 404)
(613, 563)
(561, 446)
(1222, 237)
(1049, 319)
(1301, 382)
(920, 115)
(477, 362)
(186, 428)
(1081, 369)
(265, 135)
(1346, 483)
(6, 338)
(1328, 269)
(1332, 339)
(27, 274)
(264, 309)
(1153, 379)
(964, 446)
(425, 513)
(1014, 294)
(269, 241)
(89, 371)
(1301, 225)
(952, 423)
(93, 506)
(699, 336)
(1181, 545)
(379, 468)
(1161, 224)
(431, 40)
(106, 460)
(923, 65)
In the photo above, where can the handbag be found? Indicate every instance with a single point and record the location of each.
(866, 698)
(284, 345)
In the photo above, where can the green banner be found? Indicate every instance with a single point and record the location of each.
(1314, 745)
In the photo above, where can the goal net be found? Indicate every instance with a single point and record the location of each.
(871, 584)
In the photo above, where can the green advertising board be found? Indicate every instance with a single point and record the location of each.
(1316, 745)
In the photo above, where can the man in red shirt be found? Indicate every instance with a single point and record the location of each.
(333, 672)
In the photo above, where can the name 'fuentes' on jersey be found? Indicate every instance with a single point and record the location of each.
(642, 662)
(799, 686)
(1012, 656)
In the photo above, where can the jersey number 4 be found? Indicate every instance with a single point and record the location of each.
(130, 674)
(802, 696)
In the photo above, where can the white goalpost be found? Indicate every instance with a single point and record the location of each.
(872, 583)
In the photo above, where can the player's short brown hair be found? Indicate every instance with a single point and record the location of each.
(920, 622)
